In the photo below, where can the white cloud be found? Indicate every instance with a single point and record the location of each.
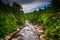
(28, 7)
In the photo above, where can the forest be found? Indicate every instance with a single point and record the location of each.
(11, 18)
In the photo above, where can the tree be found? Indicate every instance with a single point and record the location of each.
(9, 19)
(18, 13)
(56, 5)
(0, 0)
(16, 6)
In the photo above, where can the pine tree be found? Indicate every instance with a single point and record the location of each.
(56, 4)
(17, 6)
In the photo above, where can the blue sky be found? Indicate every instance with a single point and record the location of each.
(30, 5)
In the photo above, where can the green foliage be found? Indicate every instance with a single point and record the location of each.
(56, 5)
(7, 22)
(10, 18)
(50, 19)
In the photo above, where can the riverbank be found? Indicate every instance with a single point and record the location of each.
(11, 35)
(34, 30)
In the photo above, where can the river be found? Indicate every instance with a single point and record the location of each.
(28, 32)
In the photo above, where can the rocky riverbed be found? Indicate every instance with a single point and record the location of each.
(27, 33)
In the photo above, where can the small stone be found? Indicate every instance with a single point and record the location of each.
(43, 37)
(14, 39)
(18, 29)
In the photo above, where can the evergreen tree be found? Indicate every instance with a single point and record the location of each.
(16, 6)
(56, 5)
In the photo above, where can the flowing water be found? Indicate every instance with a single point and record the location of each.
(28, 32)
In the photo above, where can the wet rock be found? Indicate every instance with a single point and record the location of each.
(14, 39)
(43, 37)
(28, 33)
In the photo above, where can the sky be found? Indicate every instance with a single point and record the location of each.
(30, 5)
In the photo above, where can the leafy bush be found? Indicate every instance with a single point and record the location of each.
(7, 22)
(10, 17)
(50, 19)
